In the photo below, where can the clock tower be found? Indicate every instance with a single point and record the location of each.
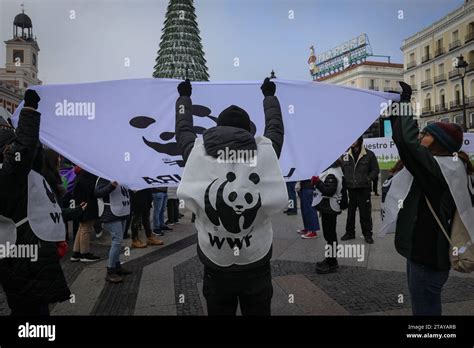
(21, 68)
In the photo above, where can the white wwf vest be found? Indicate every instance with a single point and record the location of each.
(460, 185)
(233, 203)
(43, 214)
(119, 201)
(334, 200)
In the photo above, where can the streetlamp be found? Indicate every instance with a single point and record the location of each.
(462, 64)
(272, 75)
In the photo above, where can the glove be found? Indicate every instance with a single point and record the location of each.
(268, 88)
(315, 180)
(185, 89)
(62, 249)
(31, 99)
(405, 96)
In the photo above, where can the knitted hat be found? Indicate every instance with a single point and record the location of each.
(234, 116)
(449, 135)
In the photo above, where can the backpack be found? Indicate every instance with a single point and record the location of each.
(461, 254)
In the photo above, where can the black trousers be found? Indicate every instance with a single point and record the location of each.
(253, 290)
(359, 198)
(375, 185)
(173, 210)
(141, 218)
(329, 222)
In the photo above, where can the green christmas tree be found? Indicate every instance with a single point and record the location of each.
(181, 53)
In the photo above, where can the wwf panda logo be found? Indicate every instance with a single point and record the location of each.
(49, 193)
(232, 205)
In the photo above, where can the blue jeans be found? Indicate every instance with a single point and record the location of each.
(310, 216)
(292, 205)
(116, 229)
(159, 206)
(425, 285)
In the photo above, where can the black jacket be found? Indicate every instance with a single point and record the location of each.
(418, 236)
(84, 186)
(141, 200)
(220, 137)
(27, 282)
(360, 172)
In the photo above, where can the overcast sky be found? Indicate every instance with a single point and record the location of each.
(94, 45)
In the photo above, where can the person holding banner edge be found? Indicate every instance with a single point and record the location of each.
(436, 166)
(233, 274)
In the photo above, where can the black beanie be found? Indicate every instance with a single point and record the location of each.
(234, 116)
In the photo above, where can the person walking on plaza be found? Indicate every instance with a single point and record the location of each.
(114, 209)
(329, 200)
(309, 215)
(84, 192)
(141, 205)
(233, 201)
(360, 168)
(30, 219)
(434, 188)
(160, 198)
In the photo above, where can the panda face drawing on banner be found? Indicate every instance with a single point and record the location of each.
(172, 148)
(235, 209)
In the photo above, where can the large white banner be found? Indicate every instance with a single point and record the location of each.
(124, 130)
(387, 154)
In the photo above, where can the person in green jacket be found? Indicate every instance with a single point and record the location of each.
(418, 237)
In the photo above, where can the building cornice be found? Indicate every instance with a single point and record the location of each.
(439, 26)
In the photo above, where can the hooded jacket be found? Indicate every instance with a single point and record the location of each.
(27, 282)
(222, 137)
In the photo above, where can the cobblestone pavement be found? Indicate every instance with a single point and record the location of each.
(167, 280)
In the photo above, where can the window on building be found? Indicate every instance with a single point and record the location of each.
(458, 119)
(427, 74)
(34, 59)
(441, 69)
(472, 88)
(439, 44)
(18, 56)
(455, 35)
(444, 119)
(372, 84)
(25, 85)
(412, 81)
(470, 28)
(457, 95)
(442, 98)
(412, 57)
(427, 50)
(471, 120)
(428, 101)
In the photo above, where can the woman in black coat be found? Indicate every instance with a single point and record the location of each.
(30, 285)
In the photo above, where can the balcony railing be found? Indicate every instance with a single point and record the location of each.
(454, 44)
(440, 78)
(411, 64)
(427, 110)
(440, 108)
(454, 73)
(426, 58)
(469, 101)
(470, 67)
(469, 37)
(439, 51)
(455, 104)
(427, 83)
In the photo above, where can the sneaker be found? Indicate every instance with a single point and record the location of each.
(309, 235)
(154, 241)
(76, 256)
(113, 277)
(165, 228)
(326, 267)
(123, 271)
(302, 231)
(138, 244)
(89, 257)
(159, 233)
(98, 235)
(369, 240)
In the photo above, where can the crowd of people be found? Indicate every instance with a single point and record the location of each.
(232, 275)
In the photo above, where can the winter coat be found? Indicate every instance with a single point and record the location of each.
(84, 186)
(27, 282)
(360, 172)
(418, 236)
(222, 137)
